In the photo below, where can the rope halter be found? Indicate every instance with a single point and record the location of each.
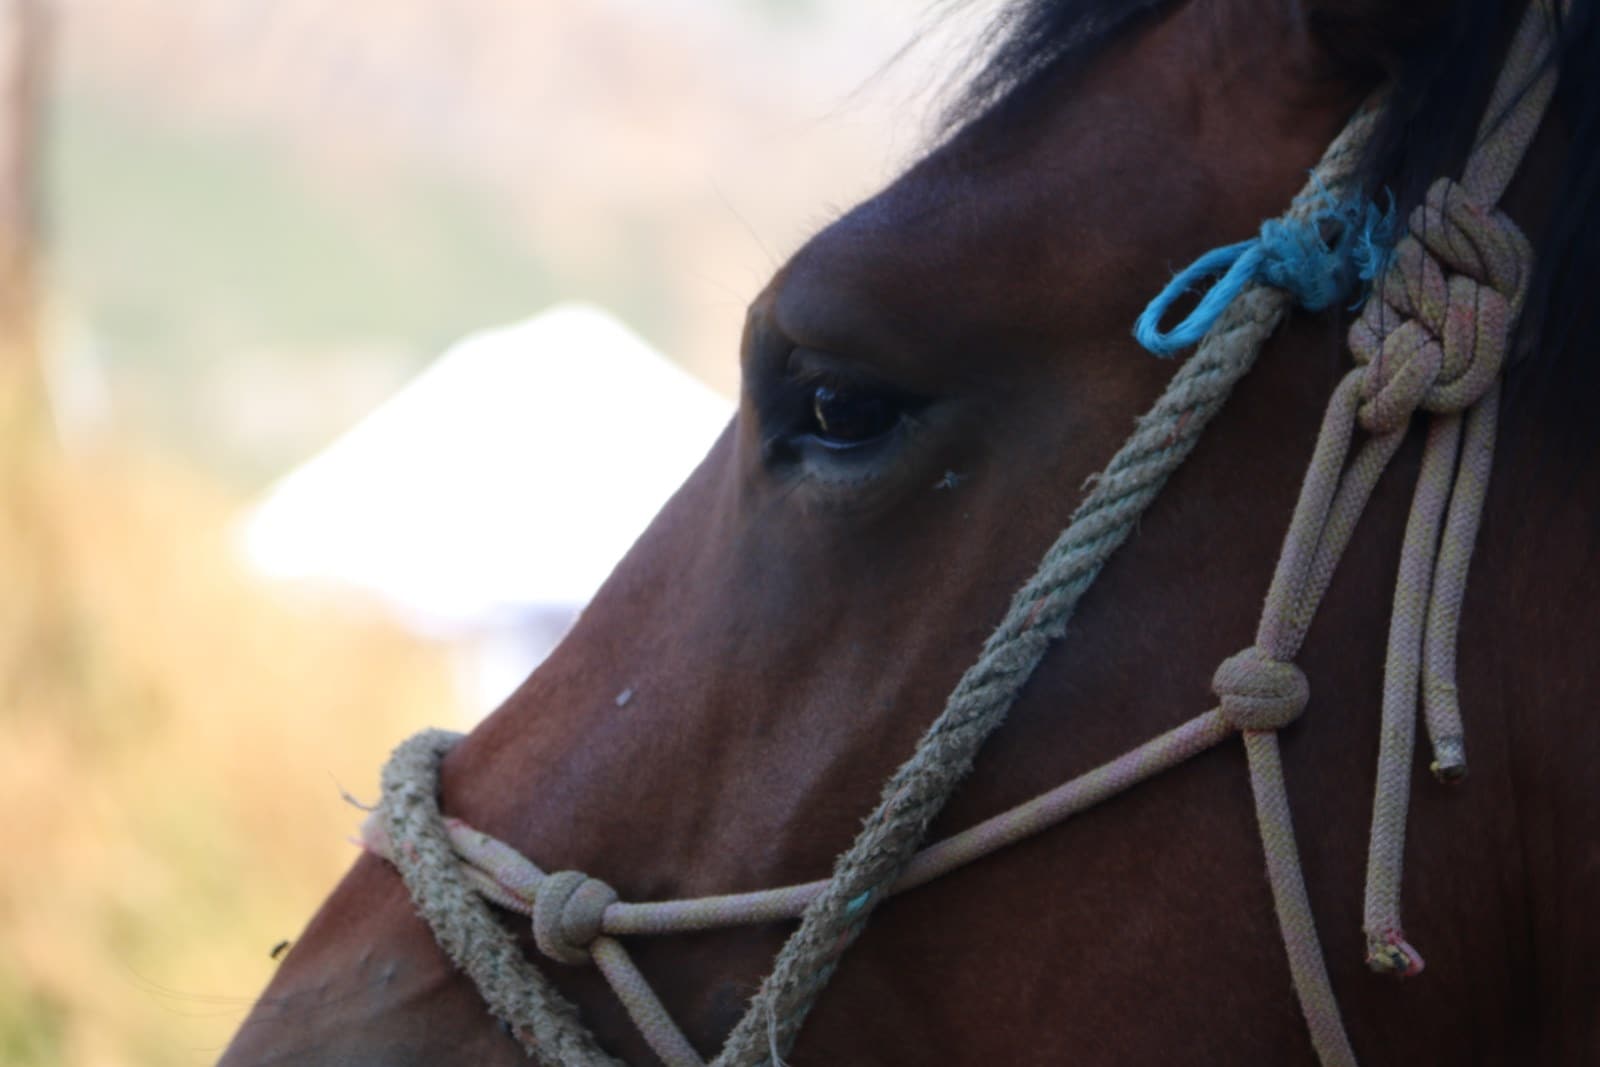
(1433, 338)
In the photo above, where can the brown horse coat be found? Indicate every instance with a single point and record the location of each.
(790, 624)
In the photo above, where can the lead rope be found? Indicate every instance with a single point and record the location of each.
(1436, 338)
(1432, 339)
(409, 830)
(450, 870)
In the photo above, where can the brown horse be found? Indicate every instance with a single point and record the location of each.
(927, 384)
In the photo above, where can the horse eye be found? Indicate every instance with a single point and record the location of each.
(844, 418)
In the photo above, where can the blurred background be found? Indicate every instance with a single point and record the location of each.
(343, 347)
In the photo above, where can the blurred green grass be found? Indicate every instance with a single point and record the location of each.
(190, 250)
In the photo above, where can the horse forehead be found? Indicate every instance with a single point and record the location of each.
(1023, 212)
(940, 260)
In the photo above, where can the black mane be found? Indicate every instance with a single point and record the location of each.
(1442, 77)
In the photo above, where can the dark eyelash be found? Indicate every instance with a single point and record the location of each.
(805, 379)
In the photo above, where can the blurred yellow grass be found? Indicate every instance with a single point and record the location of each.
(170, 737)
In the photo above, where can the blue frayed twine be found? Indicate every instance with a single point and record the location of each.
(1293, 255)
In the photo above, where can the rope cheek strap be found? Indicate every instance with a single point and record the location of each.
(1433, 338)
(577, 919)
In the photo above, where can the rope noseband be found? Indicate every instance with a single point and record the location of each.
(1432, 338)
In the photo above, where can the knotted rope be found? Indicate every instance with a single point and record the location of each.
(1418, 353)
(1436, 339)
(409, 830)
(570, 928)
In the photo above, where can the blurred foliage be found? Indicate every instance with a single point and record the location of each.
(170, 739)
(193, 252)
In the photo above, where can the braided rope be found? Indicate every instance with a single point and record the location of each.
(501, 875)
(1436, 339)
(452, 869)
(1039, 613)
(413, 835)
(543, 1021)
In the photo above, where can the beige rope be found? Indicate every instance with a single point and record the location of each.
(545, 1024)
(576, 918)
(1436, 338)
(1038, 615)
(412, 834)
(1433, 337)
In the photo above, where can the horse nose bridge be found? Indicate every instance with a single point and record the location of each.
(381, 1010)
(367, 984)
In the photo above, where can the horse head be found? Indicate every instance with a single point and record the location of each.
(928, 384)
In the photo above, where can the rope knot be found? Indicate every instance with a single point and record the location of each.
(568, 908)
(1435, 334)
(1258, 692)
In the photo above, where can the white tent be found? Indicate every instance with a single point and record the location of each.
(500, 486)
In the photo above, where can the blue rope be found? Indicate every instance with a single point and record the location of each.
(1289, 254)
